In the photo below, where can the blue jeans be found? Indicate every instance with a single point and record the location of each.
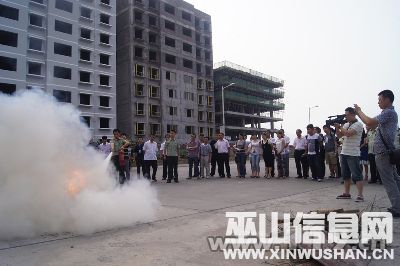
(241, 161)
(285, 158)
(193, 161)
(350, 166)
(255, 162)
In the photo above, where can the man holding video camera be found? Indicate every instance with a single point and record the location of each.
(386, 122)
(351, 132)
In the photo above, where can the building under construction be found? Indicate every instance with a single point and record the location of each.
(252, 100)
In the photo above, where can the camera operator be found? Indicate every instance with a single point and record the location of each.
(386, 122)
(350, 155)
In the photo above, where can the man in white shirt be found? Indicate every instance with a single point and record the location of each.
(222, 146)
(300, 158)
(350, 155)
(164, 158)
(104, 146)
(150, 149)
(285, 155)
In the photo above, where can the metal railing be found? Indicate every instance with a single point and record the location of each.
(250, 99)
(247, 70)
(247, 85)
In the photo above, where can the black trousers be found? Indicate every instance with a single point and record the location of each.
(374, 171)
(321, 159)
(301, 163)
(313, 161)
(165, 168)
(339, 169)
(223, 159)
(147, 165)
(172, 162)
(139, 164)
(398, 168)
(121, 172)
(273, 168)
(214, 159)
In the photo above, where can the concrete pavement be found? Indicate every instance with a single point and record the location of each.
(190, 211)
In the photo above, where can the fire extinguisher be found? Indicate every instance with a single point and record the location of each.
(121, 157)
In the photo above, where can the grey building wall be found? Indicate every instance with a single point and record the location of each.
(36, 22)
(149, 17)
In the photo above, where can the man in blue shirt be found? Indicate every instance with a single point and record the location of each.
(387, 123)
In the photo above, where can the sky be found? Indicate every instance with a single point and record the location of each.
(330, 53)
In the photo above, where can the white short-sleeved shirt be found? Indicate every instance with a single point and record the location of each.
(300, 143)
(287, 141)
(279, 145)
(162, 146)
(351, 145)
(222, 146)
(150, 151)
(255, 147)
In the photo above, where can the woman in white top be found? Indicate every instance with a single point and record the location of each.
(254, 149)
(279, 150)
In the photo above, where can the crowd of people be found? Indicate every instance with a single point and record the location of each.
(351, 152)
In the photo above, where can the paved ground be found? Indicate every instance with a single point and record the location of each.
(191, 211)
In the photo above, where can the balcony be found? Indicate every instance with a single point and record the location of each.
(244, 98)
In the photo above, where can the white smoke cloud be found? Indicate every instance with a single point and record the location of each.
(43, 152)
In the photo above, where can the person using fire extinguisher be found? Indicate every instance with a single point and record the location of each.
(118, 144)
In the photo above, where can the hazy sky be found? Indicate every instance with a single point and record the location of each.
(330, 53)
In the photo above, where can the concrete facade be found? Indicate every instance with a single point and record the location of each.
(66, 48)
(252, 99)
(164, 69)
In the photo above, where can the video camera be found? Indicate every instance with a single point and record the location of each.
(335, 119)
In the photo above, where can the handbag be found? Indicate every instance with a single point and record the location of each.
(394, 154)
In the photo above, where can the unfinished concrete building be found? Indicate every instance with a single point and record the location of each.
(252, 100)
(164, 69)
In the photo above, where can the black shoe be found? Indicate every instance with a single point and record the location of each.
(164, 178)
(176, 180)
(372, 182)
(228, 176)
(169, 181)
(188, 178)
(299, 176)
(306, 177)
(154, 180)
(222, 176)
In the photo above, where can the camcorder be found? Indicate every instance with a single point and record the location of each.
(335, 119)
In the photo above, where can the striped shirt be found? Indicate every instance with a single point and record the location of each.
(351, 145)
